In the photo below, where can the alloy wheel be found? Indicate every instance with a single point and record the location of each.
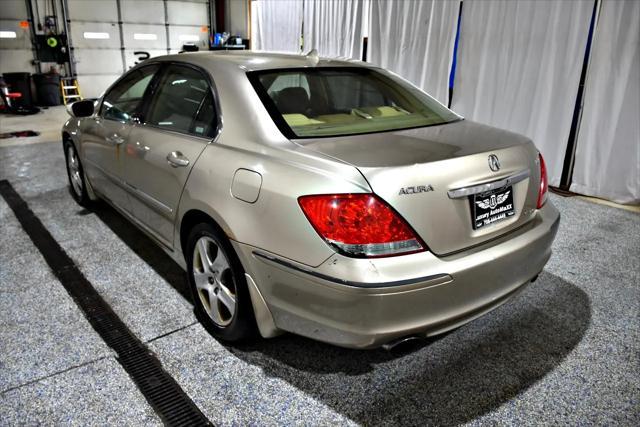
(74, 171)
(214, 282)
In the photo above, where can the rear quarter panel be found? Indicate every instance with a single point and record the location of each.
(274, 222)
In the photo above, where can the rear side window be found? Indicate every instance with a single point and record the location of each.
(183, 103)
(203, 125)
(125, 98)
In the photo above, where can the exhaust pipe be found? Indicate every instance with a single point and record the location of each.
(393, 344)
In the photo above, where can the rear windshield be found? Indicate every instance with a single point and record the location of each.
(317, 102)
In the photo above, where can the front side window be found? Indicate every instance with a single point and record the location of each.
(183, 103)
(125, 98)
(344, 101)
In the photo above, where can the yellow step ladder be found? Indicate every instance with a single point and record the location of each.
(70, 89)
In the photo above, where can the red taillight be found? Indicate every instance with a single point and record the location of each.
(359, 224)
(544, 184)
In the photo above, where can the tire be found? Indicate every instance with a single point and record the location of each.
(75, 173)
(217, 281)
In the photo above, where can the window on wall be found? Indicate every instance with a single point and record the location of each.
(183, 103)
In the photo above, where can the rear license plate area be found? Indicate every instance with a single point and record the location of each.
(491, 207)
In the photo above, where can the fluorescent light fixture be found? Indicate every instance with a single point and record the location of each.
(188, 38)
(91, 35)
(145, 36)
(7, 34)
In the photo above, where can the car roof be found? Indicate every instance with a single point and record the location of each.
(247, 60)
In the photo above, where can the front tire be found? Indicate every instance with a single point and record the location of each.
(75, 173)
(218, 285)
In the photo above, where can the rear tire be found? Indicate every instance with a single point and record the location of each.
(218, 285)
(75, 173)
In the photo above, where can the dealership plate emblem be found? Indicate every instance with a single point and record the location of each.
(494, 201)
(494, 163)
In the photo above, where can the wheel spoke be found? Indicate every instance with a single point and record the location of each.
(214, 310)
(227, 298)
(219, 264)
(201, 279)
(203, 252)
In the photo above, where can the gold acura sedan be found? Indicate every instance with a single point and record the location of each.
(327, 198)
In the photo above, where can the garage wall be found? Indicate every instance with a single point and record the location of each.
(237, 17)
(519, 66)
(148, 27)
(607, 160)
(334, 28)
(415, 40)
(276, 25)
(15, 53)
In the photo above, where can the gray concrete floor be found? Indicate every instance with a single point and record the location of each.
(567, 350)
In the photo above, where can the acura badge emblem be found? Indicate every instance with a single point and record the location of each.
(494, 163)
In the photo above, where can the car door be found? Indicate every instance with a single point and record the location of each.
(105, 134)
(178, 123)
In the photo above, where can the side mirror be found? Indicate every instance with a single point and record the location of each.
(81, 108)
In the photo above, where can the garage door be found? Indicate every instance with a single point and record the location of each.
(105, 48)
(15, 41)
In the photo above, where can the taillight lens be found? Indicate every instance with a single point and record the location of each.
(544, 184)
(360, 225)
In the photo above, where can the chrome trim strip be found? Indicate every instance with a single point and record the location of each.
(435, 277)
(463, 192)
(159, 240)
(144, 197)
(114, 179)
(149, 200)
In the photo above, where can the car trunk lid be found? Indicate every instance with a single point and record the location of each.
(426, 175)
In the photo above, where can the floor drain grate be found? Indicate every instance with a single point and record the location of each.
(162, 392)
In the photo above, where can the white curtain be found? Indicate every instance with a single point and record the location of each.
(607, 162)
(334, 28)
(519, 65)
(415, 39)
(276, 25)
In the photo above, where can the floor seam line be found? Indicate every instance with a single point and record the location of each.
(182, 328)
(53, 374)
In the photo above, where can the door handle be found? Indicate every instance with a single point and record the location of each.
(176, 159)
(115, 139)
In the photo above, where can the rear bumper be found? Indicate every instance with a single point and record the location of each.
(364, 303)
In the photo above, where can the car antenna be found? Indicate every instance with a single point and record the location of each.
(313, 57)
